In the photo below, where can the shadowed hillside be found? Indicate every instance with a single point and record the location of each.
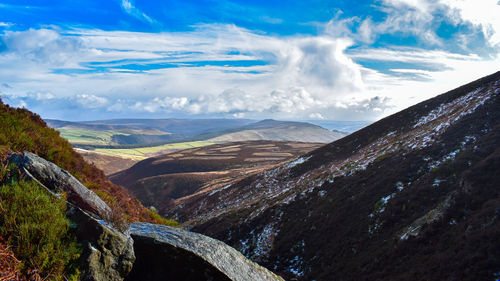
(159, 180)
(412, 197)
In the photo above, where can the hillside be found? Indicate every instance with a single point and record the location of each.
(23, 130)
(280, 131)
(117, 132)
(108, 163)
(413, 196)
(135, 133)
(159, 180)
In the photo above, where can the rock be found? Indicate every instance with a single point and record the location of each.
(107, 253)
(57, 179)
(168, 253)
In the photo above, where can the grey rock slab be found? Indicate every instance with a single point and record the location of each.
(57, 179)
(108, 254)
(176, 253)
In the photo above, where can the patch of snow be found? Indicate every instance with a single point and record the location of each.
(297, 161)
(447, 157)
(436, 182)
(263, 243)
(244, 246)
(295, 266)
(410, 232)
(467, 140)
(219, 189)
(322, 193)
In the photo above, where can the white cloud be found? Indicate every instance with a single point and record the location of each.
(129, 7)
(422, 18)
(316, 116)
(90, 101)
(44, 46)
(284, 77)
(484, 14)
(21, 104)
(43, 96)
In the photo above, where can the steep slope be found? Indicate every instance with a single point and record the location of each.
(414, 196)
(23, 130)
(281, 131)
(158, 180)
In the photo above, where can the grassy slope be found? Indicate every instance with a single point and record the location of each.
(143, 152)
(83, 136)
(21, 130)
(88, 136)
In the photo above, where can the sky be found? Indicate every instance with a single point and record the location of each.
(289, 60)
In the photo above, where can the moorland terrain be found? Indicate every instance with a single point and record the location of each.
(159, 180)
(414, 196)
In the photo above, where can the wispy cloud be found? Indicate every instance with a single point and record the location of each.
(129, 7)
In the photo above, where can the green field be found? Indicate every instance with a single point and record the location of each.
(144, 152)
(82, 136)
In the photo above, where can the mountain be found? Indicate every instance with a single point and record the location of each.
(147, 132)
(279, 130)
(414, 196)
(140, 131)
(157, 181)
(346, 127)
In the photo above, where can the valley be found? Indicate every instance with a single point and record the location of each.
(159, 181)
(413, 191)
(114, 145)
(250, 140)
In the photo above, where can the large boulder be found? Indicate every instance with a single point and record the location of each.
(56, 179)
(108, 254)
(168, 253)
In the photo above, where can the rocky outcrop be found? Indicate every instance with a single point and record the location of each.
(164, 253)
(108, 254)
(167, 253)
(57, 180)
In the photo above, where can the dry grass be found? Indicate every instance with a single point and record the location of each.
(10, 266)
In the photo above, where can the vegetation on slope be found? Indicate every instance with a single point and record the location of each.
(24, 131)
(34, 224)
(148, 151)
(10, 266)
(35, 235)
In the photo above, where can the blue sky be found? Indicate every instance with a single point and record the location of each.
(300, 60)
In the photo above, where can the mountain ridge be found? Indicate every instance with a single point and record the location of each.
(137, 132)
(421, 181)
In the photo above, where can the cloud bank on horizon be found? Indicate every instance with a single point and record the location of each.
(264, 59)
